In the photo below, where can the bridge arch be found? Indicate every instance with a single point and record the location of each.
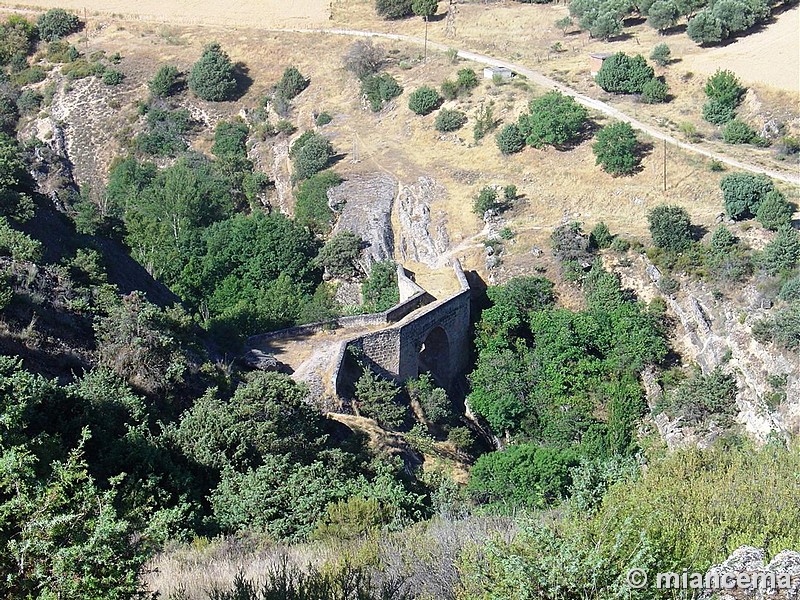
(434, 356)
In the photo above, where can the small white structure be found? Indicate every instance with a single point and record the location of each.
(501, 72)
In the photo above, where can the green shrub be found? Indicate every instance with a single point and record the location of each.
(670, 227)
(484, 121)
(449, 89)
(510, 139)
(230, 140)
(743, 193)
(17, 245)
(29, 101)
(379, 89)
(57, 23)
(165, 82)
(623, 74)
(724, 94)
(737, 132)
(466, 80)
(322, 119)
(291, 84)
(113, 77)
(718, 112)
(790, 290)
(424, 100)
(339, 257)
(394, 9)
(723, 240)
(553, 119)
(782, 253)
(661, 55)
(774, 211)
(379, 291)
(310, 153)
(781, 328)
(620, 245)
(30, 76)
(616, 149)
(655, 91)
(166, 132)
(213, 77)
(486, 200)
(449, 120)
(311, 205)
(601, 236)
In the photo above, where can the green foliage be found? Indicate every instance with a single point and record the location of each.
(486, 200)
(553, 119)
(603, 19)
(424, 8)
(774, 211)
(616, 149)
(17, 38)
(310, 153)
(311, 202)
(743, 193)
(705, 28)
(17, 245)
(702, 397)
(394, 9)
(380, 89)
(424, 100)
(30, 101)
(601, 236)
(339, 257)
(379, 290)
(725, 18)
(781, 328)
(113, 77)
(510, 140)
(322, 119)
(449, 120)
(57, 23)
(165, 82)
(655, 91)
(670, 227)
(663, 14)
(378, 399)
(790, 290)
(466, 80)
(213, 77)
(737, 132)
(291, 84)
(230, 141)
(523, 474)
(724, 94)
(782, 253)
(723, 240)
(485, 121)
(433, 400)
(166, 131)
(623, 74)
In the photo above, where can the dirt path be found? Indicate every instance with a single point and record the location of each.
(546, 82)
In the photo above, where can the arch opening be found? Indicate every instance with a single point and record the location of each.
(434, 356)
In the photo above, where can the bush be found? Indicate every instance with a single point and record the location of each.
(743, 193)
(291, 84)
(165, 82)
(616, 149)
(449, 120)
(601, 237)
(57, 23)
(322, 119)
(623, 74)
(486, 200)
(166, 131)
(790, 290)
(554, 119)
(363, 58)
(379, 290)
(724, 94)
(782, 253)
(670, 227)
(705, 28)
(449, 89)
(339, 257)
(230, 140)
(655, 91)
(723, 240)
(424, 100)
(620, 245)
(379, 89)
(484, 121)
(213, 77)
(29, 101)
(718, 112)
(394, 9)
(17, 245)
(113, 77)
(466, 80)
(510, 139)
(737, 132)
(311, 154)
(774, 211)
(703, 396)
(661, 55)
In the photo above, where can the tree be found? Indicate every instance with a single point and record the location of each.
(510, 139)
(782, 253)
(553, 119)
(743, 193)
(737, 132)
(718, 112)
(363, 58)
(165, 82)
(655, 91)
(705, 28)
(339, 257)
(661, 55)
(601, 236)
(291, 84)
(724, 94)
(486, 200)
(564, 23)
(379, 290)
(723, 240)
(311, 202)
(379, 89)
(466, 79)
(774, 211)
(663, 14)
(623, 74)
(57, 23)
(425, 9)
(670, 227)
(449, 120)
(616, 149)
(378, 398)
(213, 77)
(230, 140)
(310, 154)
(424, 100)
(394, 9)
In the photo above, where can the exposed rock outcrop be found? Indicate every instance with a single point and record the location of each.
(423, 238)
(778, 579)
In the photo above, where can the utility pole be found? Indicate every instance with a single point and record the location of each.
(665, 165)
(426, 38)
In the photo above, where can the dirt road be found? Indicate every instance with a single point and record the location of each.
(546, 82)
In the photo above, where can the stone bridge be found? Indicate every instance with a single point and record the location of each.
(418, 335)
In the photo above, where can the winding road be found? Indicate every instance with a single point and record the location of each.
(547, 82)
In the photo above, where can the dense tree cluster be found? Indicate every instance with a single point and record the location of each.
(553, 119)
